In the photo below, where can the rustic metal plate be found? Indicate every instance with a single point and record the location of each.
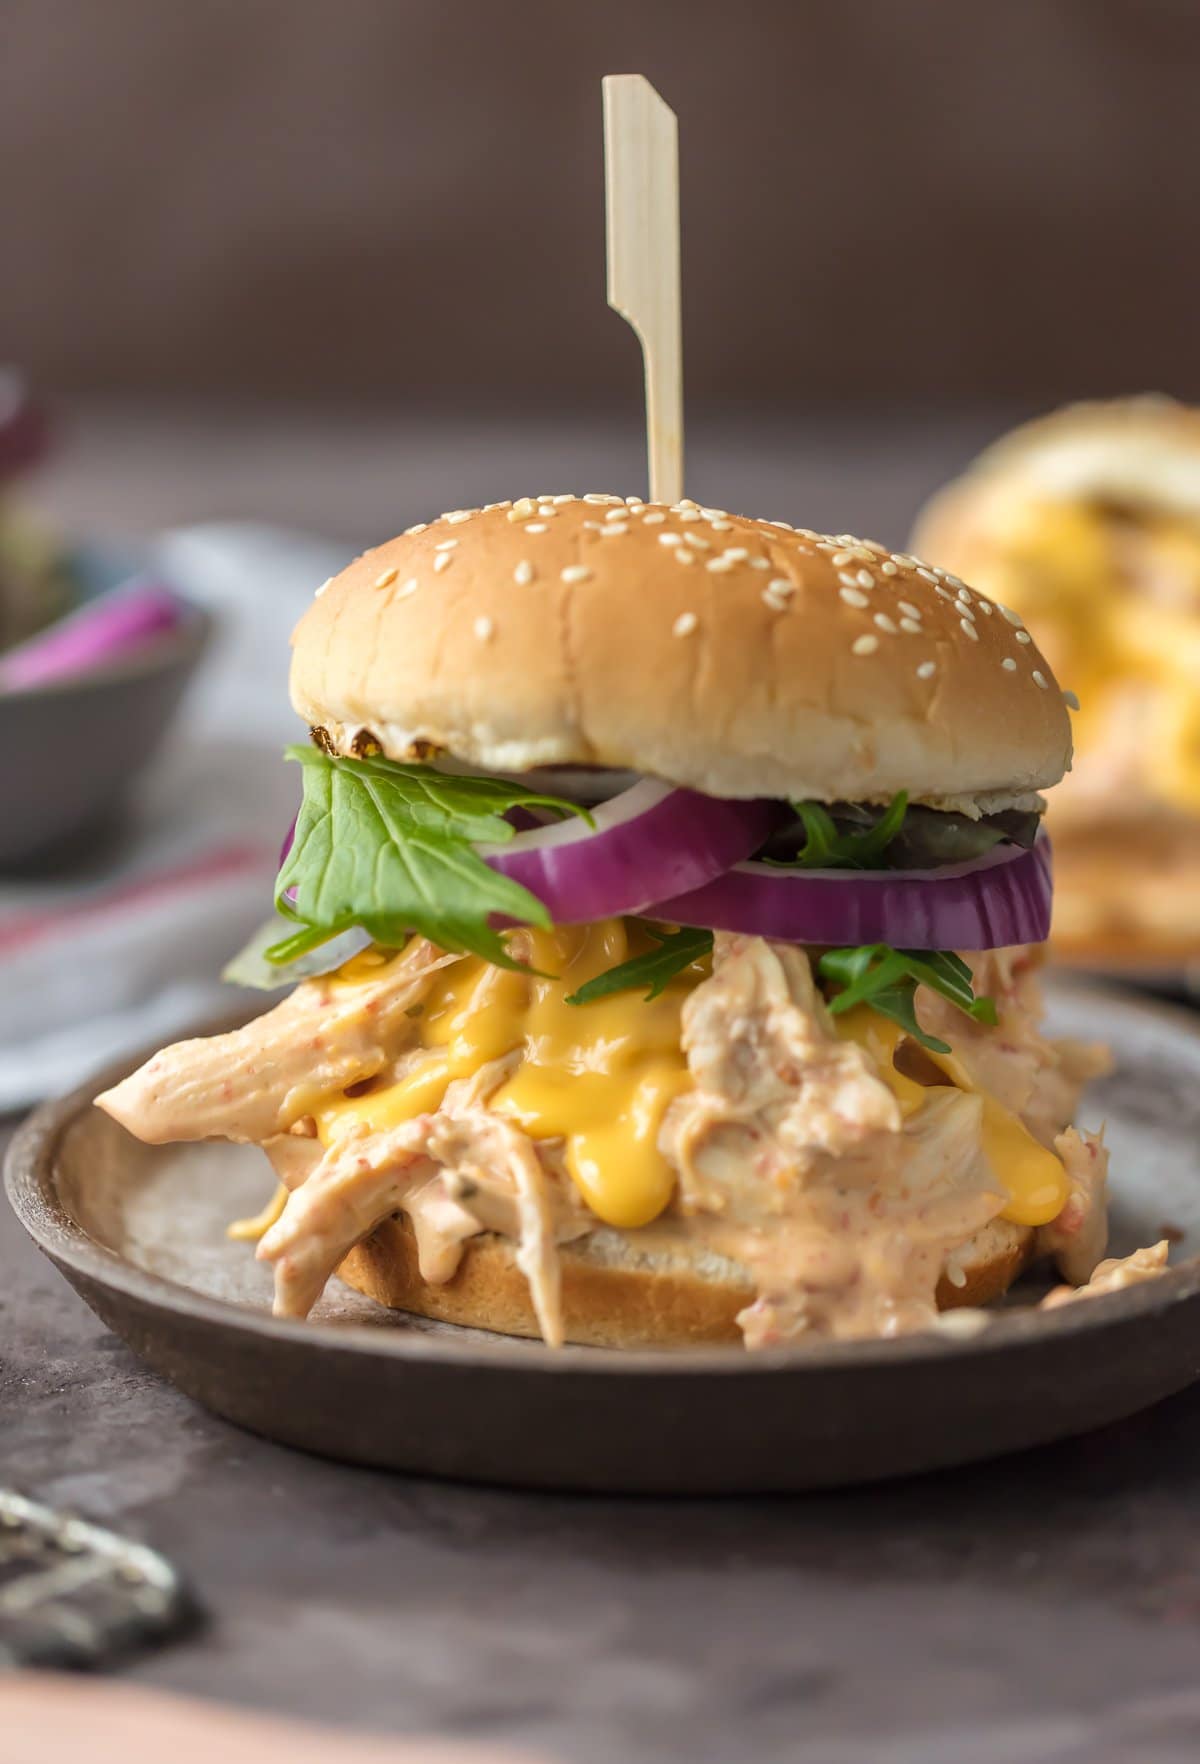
(139, 1231)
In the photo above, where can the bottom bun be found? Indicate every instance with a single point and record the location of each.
(661, 1288)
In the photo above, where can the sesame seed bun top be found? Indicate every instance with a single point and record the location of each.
(738, 657)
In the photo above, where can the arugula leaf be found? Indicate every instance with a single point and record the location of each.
(676, 951)
(391, 848)
(827, 848)
(887, 980)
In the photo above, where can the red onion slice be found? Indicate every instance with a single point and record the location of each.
(648, 842)
(994, 901)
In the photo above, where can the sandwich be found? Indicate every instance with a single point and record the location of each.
(1088, 522)
(663, 916)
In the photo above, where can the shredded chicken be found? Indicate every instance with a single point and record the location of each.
(1114, 1276)
(1036, 1078)
(257, 1081)
(792, 1152)
(1077, 1238)
(366, 1177)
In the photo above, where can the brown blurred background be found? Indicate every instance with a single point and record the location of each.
(401, 200)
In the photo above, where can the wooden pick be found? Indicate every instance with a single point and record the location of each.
(641, 174)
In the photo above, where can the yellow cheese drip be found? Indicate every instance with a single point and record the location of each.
(1034, 1177)
(601, 1076)
(598, 1076)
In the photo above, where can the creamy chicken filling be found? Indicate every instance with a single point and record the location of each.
(791, 1152)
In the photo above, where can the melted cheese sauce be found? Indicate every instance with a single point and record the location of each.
(1034, 1177)
(598, 1076)
(601, 1076)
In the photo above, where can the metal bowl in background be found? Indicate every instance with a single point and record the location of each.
(72, 749)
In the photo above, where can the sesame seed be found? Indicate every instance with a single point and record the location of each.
(410, 587)
(854, 597)
(1039, 679)
(888, 568)
(1024, 637)
(954, 581)
(912, 626)
(327, 583)
(846, 538)
(689, 514)
(1008, 613)
(866, 579)
(848, 579)
(522, 510)
(776, 601)
(567, 497)
(615, 530)
(906, 606)
(386, 578)
(442, 562)
(928, 574)
(1009, 664)
(965, 612)
(523, 574)
(598, 496)
(720, 566)
(927, 670)
(786, 525)
(841, 558)
(735, 553)
(945, 594)
(905, 561)
(886, 624)
(714, 514)
(685, 502)
(484, 629)
(985, 606)
(654, 519)
(866, 645)
(635, 501)
(760, 563)
(720, 526)
(446, 545)
(685, 624)
(700, 543)
(575, 573)
(548, 512)
(684, 556)
(617, 514)
(964, 594)
(669, 538)
(536, 527)
(970, 630)
(419, 528)
(1071, 699)
(456, 517)
(782, 586)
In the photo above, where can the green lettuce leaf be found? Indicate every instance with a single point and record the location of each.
(391, 848)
